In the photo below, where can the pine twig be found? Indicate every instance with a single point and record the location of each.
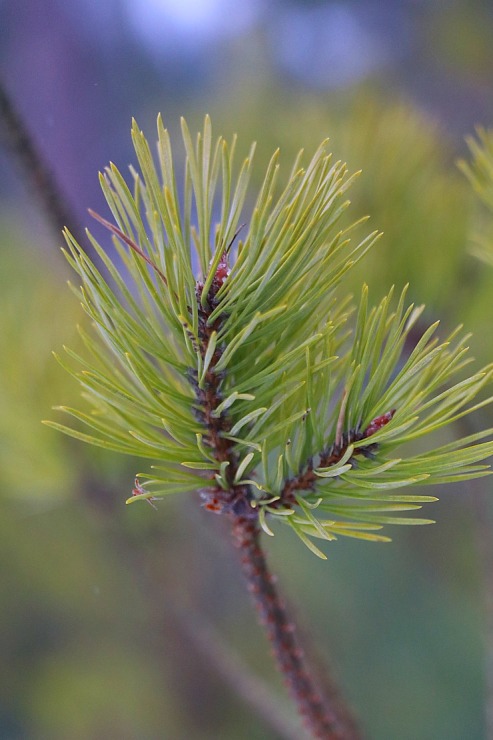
(58, 214)
(325, 717)
(249, 352)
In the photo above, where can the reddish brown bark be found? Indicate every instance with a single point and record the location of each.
(325, 716)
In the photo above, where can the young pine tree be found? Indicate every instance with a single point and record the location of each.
(229, 357)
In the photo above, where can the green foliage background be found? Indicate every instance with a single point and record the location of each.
(93, 644)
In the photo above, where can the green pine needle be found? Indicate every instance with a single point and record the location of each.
(210, 336)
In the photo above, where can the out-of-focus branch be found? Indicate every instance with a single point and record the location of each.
(254, 691)
(36, 171)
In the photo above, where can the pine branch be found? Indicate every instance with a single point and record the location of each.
(246, 382)
(324, 716)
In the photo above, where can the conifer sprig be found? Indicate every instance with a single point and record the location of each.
(479, 172)
(225, 353)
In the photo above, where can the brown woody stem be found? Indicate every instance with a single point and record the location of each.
(324, 716)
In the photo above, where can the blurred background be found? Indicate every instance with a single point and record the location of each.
(126, 623)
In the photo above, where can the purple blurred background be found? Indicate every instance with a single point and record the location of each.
(78, 71)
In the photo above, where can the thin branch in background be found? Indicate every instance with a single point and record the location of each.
(255, 692)
(36, 171)
(166, 612)
(164, 605)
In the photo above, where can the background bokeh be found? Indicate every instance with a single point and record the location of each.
(122, 622)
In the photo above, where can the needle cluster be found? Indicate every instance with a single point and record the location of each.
(230, 357)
